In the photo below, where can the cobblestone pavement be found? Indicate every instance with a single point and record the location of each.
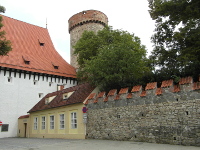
(63, 144)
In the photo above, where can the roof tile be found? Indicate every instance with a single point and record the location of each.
(144, 93)
(92, 95)
(101, 94)
(25, 46)
(186, 80)
(129, 96)
(159, 91)
(123, 91)
(151, 86)
(81, 92)
(167, 83)
(176, 88)
(112, 92)
(117, 97)
(136, 88)
(24, 116)
(105, 99)
(196, 86)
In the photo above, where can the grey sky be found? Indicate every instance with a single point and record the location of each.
(128, 15)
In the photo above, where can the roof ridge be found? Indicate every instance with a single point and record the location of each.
(23, 21)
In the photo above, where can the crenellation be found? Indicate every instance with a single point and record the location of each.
(170, 118)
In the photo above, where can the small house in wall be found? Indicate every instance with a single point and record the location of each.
(58, 115)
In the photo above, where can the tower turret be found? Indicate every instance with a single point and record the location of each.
(91, 20)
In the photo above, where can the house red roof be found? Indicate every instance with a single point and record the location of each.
(24, 116)
(33, 44)
(80, 93)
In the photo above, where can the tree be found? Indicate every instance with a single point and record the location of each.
(5, 45)
(111, 58)
(176, 39)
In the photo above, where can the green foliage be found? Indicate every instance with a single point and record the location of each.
(5, 45)
(111, 58)
(176, 39)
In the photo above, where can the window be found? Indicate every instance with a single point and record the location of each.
(9, 79)
(73, 120)
(62, 121)
(35, 122)
(4, 127)
(43, 122)
(51, 122)
(40, 95)
(35, 82)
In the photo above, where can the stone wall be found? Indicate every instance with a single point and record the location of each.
(169, 117)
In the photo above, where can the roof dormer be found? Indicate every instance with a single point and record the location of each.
(67, 95)
(41, 42)
(55, 65)
(26, 60)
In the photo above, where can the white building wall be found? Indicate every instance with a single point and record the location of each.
(20, 94)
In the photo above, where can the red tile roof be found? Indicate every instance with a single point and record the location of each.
(186, 80)
(96, 100)
(25, 39)
(167, 83)
(136, 88)
(117, 97)
(106, 99)
(176, 88)
(123, 91)
(144, 93)
(92, 95)
(151, 86)
(24, 116)
(101, 94)
(196, 86)
(130, 95)
(158, 91)
(112, 92)
(81, 92)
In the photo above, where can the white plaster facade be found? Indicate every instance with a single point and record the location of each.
(19, 95)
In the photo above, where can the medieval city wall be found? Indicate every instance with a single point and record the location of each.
(169, 115)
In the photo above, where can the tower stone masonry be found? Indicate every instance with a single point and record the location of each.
(90, 20)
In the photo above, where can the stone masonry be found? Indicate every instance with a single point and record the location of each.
(171, 117)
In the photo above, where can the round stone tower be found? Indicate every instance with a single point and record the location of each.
(91, 20)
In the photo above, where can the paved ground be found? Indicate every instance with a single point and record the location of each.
(63, 144)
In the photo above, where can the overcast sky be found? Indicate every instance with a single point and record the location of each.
(128, 15)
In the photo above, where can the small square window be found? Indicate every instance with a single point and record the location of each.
(10, 79)
(40, 95)
(4, 127)
(50, 83)
(35, 82)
